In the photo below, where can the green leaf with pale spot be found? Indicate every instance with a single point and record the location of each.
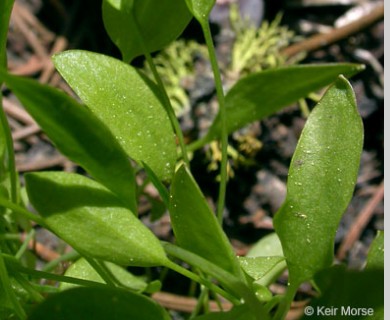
(321, 182)
(127, 102)
(157, 22)
(92, 220)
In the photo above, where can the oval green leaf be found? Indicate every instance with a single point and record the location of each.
(195, 226)
(98, 304)
(157, 22)
(79, 135)
(127, 102)
(81, 269)
(321, 181)
(261, 94)
(92, 220)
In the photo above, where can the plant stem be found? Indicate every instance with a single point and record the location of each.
(25, 243)
(169, 108)
(203, 297)
(222, 110)
(284, 305)
(7, 287)
(183, 271)
(15, 266)
(167, 103)
(10, 154)
(99, 268)
(27, 214)
(70, 256)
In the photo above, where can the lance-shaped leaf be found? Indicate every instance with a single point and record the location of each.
(98, 304)
(92, 220)
(127, 103)
(195, 226)
(157, 22)
(321, 181)
(79, 135)
(264, 93)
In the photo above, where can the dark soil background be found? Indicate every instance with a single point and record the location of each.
(40, 28)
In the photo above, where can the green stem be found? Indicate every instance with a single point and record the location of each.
(10, 154)
(14, 265)
(285, 303)
(169, 108)
(230, 282)
(71, 256)
(7, 287)
(25, 243)
(198, 144)
(222, 110)
(10, 237)
(18, 209)
(202, 302)
(100, 269)
(167, 103)
(32, 292)
(183, 271)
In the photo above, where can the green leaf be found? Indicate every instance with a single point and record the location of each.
(345, 290)
(376, 254)
(5, 14)
(268, 246)
(157, 22)
(98, 304)
(81, 269)
(195, 226)
(201, 9)
(233, 284)
(92, 220)
(261, 94)
(263, 270)
(127, 102)
(321, 181)
(79, 135)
